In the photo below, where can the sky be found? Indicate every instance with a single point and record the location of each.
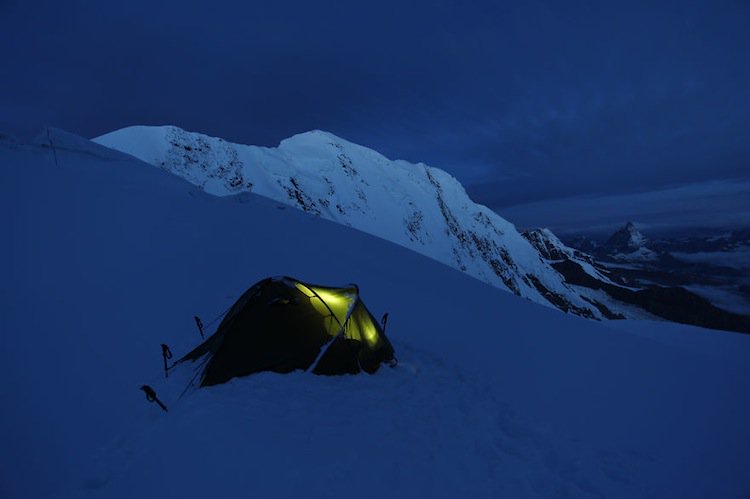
(524, 102)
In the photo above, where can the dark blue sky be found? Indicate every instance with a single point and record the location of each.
(521, 101)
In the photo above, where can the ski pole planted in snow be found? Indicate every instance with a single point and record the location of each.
(165, 354)
(199, 323)
(384, 321)
(151, 396)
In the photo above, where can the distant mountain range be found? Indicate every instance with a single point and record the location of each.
(716, 267)
(426, 210)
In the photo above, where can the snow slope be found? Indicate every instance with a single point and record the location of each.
(415, 206)
(104, 258)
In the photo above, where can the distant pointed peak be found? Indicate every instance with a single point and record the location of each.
(631, 227)
(626, 239)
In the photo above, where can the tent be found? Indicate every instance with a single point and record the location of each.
(281, 324)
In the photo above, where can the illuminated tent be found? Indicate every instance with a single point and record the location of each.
(282, 325)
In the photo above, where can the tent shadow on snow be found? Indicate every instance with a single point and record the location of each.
(282, 325)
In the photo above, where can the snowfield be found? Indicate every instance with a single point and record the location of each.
(106, 257)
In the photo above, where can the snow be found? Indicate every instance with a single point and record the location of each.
(629, 244)
(106, 257)
(548, 239)
(642, 254)
(637, 240)
(413, 205)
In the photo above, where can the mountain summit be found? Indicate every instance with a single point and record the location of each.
(627, 239)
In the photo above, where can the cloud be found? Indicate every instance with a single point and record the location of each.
(713, 204)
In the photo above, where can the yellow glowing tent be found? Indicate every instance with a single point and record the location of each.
(281, 324)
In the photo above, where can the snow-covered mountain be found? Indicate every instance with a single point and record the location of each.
(582, 273)
(413, 205)
(106, 257)
(626, 239)
(632, 290)
(552, 249)
(629, 244)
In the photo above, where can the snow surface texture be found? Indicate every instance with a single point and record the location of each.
(104, 258)
(415, 206)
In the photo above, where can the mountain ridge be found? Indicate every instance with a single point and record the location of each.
(426, 210)
(414, 205)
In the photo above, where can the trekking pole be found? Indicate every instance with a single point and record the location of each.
(384, 321)
(165, 354)
(199, 323)
(151, 397)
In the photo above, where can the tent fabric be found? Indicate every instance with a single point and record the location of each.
(282, 325)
